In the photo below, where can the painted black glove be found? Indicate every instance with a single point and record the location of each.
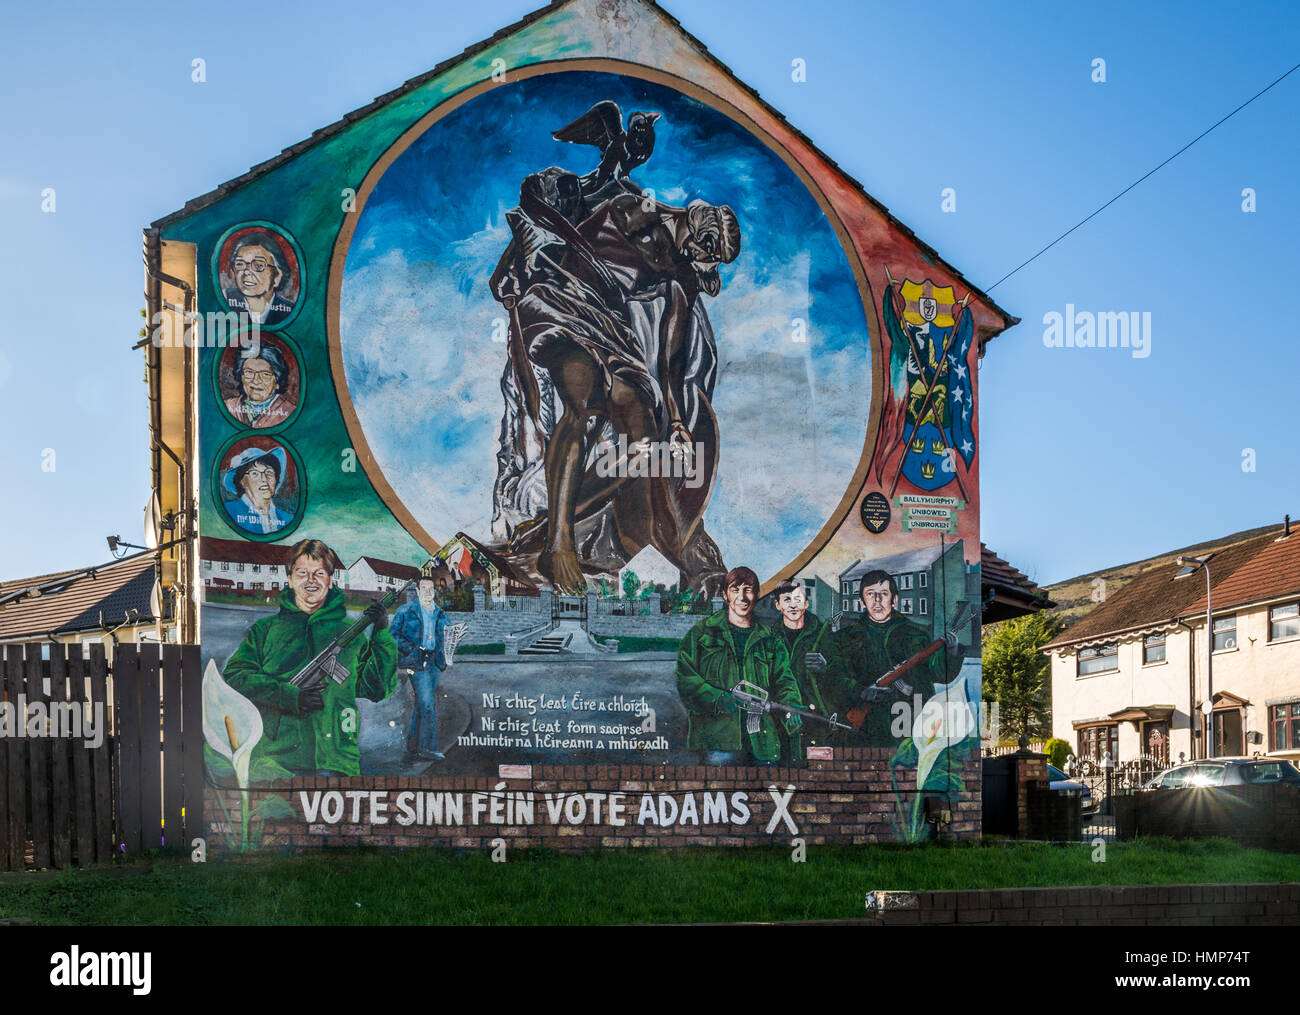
(377, 615)
(310, 699)
(872, 694)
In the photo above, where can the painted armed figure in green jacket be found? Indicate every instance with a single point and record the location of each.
(808, 641)
(312, 731)
(866, 649)
(716, 655)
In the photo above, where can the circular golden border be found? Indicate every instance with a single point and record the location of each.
(408, 137)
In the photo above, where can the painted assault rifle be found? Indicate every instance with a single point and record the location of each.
(326, 665)
(858, 715)
(754, 702)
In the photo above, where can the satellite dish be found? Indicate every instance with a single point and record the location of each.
(152, 523)
(155, 600)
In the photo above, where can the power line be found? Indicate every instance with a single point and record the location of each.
(1140, 179)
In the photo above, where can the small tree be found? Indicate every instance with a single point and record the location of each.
(1016, 675)
(631, 584)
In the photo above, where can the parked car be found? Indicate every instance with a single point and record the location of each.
(1225, 772)
(1061, 781)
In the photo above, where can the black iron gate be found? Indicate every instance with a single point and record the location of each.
(569, 608)
(1107, 781)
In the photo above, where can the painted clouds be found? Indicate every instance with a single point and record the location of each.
(422, 338)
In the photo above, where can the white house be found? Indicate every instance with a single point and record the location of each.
(1134, 676)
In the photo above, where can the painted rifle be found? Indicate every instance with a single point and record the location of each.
(325, 665)
(891, 679)
(754, 702)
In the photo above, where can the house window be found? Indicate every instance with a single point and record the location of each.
(1284, 727)
(257, 569)
(1225, 633)
(259, 585)
(1153, 649)
(225, 565)
(904, 581)
(844, 588)
(275, 585)
(1101, 659)
(1284, 622)
(239, 567)
(207, 564)
(905, 606)
(1094, 741)
(922, 580)
(924, 607)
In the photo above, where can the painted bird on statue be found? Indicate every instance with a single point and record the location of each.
(621, 150)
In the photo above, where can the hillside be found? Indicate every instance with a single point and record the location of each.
(1074, 596)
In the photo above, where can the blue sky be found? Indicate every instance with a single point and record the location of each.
(434, 229)
(1091, 457)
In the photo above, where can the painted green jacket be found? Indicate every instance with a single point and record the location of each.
(708, 666)
(862, 651)
(275, 649)
(828, 692)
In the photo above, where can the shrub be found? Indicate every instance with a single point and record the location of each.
(1057, 750)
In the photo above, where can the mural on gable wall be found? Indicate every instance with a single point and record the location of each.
(603, 435)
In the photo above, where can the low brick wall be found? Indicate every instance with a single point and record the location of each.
(1266, 816)
(1119, 906)
(490, 627)
(657, 625)
(850, 799)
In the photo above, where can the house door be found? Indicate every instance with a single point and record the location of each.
(1226, 739)
(1155, 743)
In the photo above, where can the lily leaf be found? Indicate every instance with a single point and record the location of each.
(266, 769)
(905, 756)
(944, 780)
(274, 807)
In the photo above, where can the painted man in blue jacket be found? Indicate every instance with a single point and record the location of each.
(419, 628)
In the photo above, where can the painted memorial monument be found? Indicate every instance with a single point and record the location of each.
(607, 433)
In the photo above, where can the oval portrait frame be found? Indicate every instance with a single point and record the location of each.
(343, 242)
(215, 480)
(280, 427)
(285, 235)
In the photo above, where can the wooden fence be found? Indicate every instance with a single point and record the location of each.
(66, 803)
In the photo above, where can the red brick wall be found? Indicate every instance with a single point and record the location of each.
(847, 800)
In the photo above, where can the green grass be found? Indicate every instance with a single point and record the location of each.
(643, 644)
(370, 886)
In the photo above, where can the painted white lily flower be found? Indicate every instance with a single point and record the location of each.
(232, 725)
(945, 720)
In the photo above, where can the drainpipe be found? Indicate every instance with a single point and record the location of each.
(156, 277)
(1191, 681)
